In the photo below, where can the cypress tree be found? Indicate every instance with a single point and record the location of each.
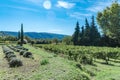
(22, 34)
(76, 35)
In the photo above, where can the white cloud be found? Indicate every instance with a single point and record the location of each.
(64, 4)
(79, 15)
(99, 6)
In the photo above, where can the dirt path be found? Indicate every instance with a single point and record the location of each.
(29, 67)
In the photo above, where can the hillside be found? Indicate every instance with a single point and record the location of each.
(35, 35)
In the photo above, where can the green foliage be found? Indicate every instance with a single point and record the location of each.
(94, 34)
(79, 66)
(76, 35)
(43, 41)
(67, 40)
(109, 21)
(19, 36)
(11, 57)
(8, 38)
(83, 54)
(88, 35)
(44, 62)
(14, 62)
(22, 35)
(27, 54)
(55, 40)
(22, 52)
(86, 59)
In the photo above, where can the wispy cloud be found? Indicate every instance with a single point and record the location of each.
(35, 1)
(79, 15)
(23, 8)
(99, 6)
(64, 4)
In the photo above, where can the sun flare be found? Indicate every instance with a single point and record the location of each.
(47, 4)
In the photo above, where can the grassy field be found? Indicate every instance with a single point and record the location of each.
(56, 68)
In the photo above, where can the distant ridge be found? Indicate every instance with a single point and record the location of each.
(35, 35)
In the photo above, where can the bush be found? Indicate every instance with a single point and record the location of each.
(86, 59)
(22, 52)
(7, 53)
(25, 49)
(10, 56)
(79, 66)
(14, 62)
(18, 50)
(44, 62)
(27, 54)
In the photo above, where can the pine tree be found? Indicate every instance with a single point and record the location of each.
(87, 33)
(76, 35)
(94, 34)
(82, 35)
(22, 34)
(82, 32)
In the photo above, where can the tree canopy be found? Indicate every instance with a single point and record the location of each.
(109, 21)
(76, 35)
(88, 35)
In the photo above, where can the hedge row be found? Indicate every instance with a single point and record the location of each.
(11, 57)
(84, 54)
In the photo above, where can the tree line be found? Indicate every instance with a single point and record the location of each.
(109, 22)
(87, 34)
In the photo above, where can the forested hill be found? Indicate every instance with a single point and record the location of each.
(34, 35)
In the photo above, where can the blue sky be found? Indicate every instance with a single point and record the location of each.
(54, 16)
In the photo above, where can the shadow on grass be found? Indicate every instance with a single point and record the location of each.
(104, 63)
(116, 61)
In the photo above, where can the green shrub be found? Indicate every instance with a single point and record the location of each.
(44, 62)
(27, 54)
(79, 66)
(17, 50)
(8, 53)
(86, 59)
(25, 49)
(14, 62)
(55, 55)
(22, 52)
(10, 56)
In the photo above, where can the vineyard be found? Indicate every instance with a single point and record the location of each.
(83, 54)
(59, 62)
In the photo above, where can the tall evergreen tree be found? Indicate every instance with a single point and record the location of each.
(76, 35)
(82, 31)
(18, 35)
(22, 35)
(87, 33)
(82, 35)
(94, 34)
